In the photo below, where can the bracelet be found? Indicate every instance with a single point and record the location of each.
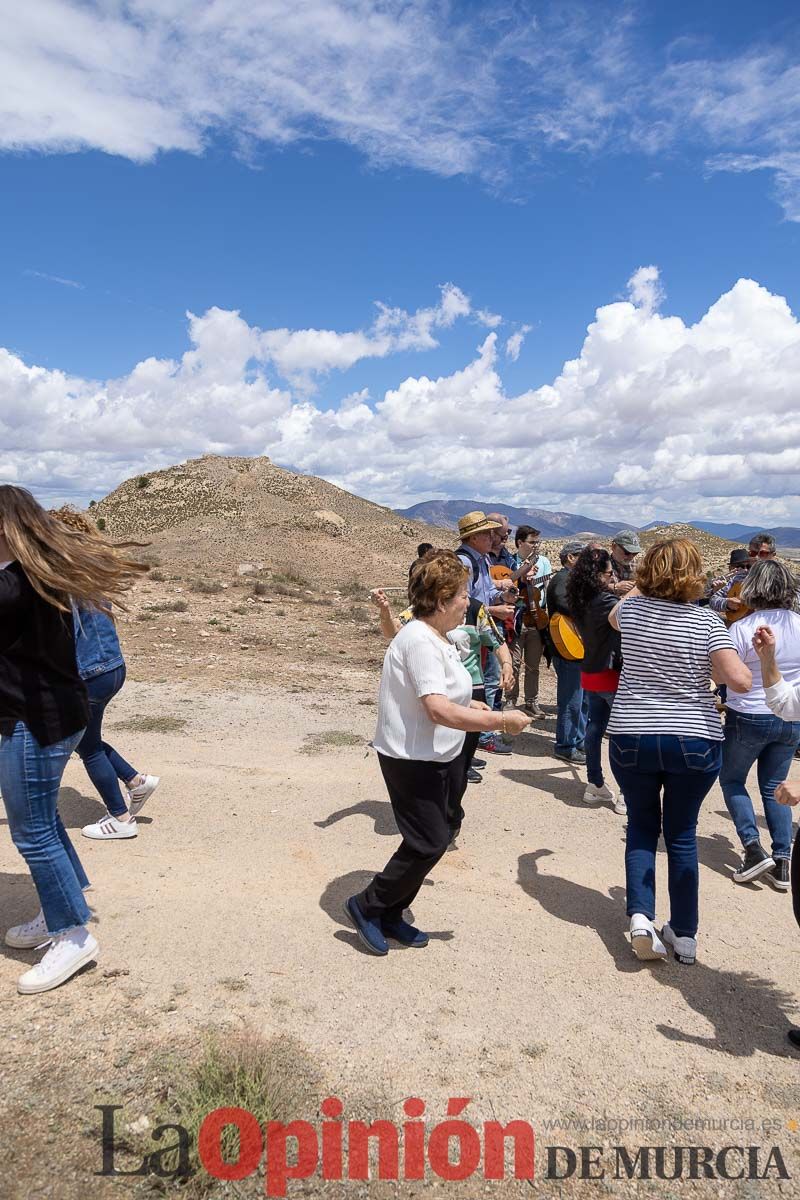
(503, 724)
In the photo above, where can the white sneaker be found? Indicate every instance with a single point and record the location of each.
(32, 933)
(68, 952)
(684, 948)
(645, 942)
(596, 795)
(142, 792)
(109, 828)
(619, 806)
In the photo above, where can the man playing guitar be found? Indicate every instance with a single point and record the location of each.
(532, 570)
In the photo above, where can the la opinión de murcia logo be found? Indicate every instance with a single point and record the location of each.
(453, 1149)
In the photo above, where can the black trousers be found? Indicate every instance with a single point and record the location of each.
(424, 798)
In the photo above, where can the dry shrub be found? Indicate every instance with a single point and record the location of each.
(271, 1078)
(206, 587)
(168, 606)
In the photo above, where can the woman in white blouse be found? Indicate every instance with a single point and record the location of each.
(784, 701)
(425, 707)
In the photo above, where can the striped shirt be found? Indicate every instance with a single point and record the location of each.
(666, 669)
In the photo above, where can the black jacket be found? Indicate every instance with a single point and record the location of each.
(556, 598)
(39, 680)
(602, 645)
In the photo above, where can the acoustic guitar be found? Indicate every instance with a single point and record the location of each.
(744, 610)
(566, 639)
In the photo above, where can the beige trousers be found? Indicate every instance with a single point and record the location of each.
(527, 649)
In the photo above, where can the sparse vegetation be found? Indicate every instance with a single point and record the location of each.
(206, 587)
(354, 589)
(291, 577)
(101, 523)
(260, 588)
(145, 615)
(143, 481)
(157, 576)
(153, 724)
(163, 606)
(318, 743)
(233, 983)
(270, 1079)
(92, 503)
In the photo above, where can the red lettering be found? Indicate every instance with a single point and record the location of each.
(494, 1149)
(278, 1169)
(209, 1143)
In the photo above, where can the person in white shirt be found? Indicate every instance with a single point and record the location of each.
(784, 701)
(754, 735)
(425, 707)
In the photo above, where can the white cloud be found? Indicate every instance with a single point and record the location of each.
(477, 89)
(514, 343)
(652, 417)
(71, 283)
(300, 354)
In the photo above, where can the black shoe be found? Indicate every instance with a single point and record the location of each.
(755, 862)
(479, 763)
(571, 756)
(794, 1037)
(779, 875)
(474, 776)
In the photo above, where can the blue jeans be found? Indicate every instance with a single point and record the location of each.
(599, 704)
(571, 701)
(103, 765)
(770, 742)
(30, 776)
(491, 680)
(684, 768)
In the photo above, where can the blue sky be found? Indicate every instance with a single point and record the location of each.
(298, 168)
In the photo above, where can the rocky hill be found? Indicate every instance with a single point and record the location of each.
(260, 573)
(215, 512)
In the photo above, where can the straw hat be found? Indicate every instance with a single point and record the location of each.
(475, 522)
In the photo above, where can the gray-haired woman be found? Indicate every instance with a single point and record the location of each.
(753, 734)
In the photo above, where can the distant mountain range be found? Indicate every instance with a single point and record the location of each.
(551, 524)
(560, 524)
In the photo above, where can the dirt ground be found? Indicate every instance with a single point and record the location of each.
(227, 911)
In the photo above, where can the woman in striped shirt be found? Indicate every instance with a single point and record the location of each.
(666, 735)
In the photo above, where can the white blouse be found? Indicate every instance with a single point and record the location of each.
(419, 663)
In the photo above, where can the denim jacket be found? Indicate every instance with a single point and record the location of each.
(97, 648)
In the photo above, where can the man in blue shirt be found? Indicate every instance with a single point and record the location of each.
(476, 531)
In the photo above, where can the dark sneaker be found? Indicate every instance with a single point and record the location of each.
(496, 746)
(478, 763)
(407, 935)
(755, 862)
(534, 709)
(369, 931)
(571, 756)
(779, 875)
(474, 776)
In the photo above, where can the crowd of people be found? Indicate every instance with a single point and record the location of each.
(691, 680)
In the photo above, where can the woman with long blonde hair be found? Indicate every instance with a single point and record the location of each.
(46, 568)
(101, 666)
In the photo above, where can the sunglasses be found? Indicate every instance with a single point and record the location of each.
(759, 553)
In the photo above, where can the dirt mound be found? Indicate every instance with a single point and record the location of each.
(211, 513)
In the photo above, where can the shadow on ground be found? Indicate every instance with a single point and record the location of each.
(748, 1014)
(378, 811)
